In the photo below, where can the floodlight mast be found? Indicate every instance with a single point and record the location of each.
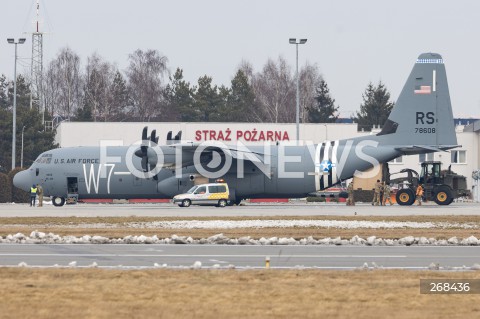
(297, 110)
(14, 125)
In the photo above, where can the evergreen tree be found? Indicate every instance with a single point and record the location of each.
(36, 140)
(23, 92)
(207, 100)
(323, 110)
(240, 99)
(375, 108)
(84, 114)
(179, 99)
(120, 99)
(3, 92)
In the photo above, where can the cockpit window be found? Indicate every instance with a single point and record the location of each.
(45, 158)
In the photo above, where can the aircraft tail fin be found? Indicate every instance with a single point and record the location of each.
(422, 115)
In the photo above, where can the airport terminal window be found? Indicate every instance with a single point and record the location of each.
(398, 160)
(459, 157)
(425, 157)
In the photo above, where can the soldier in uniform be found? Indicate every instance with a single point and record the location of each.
(376, 195)
(386, 195)
(350, 200)
(40, 195)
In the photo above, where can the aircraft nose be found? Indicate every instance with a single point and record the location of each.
(23, 180)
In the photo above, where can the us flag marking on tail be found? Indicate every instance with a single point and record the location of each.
(423, 89)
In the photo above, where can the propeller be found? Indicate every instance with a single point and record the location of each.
(143, 151)
(146, 153)
(153, 137)
(178, 137)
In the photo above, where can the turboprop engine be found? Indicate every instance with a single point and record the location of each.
(172, 186)
(149, 147)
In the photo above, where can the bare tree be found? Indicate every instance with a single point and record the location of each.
(145, 74)
(63, 84)
(98, 90)
(247, 68)
(310, 80)
(275, 92)
(51, 93)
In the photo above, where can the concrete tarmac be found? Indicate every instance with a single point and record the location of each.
(329, 257)
(294, 208)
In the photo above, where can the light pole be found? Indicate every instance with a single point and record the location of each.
(14, 130)
(297, 116)
(21, 155)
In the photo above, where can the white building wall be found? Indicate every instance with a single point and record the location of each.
(89, 134)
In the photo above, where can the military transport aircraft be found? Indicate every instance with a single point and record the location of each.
(420, 122)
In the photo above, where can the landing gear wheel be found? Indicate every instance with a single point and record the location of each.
(443, 195)
(222, 203)
(58, 201)
(405, 197)
(234, 202)
(186, 203)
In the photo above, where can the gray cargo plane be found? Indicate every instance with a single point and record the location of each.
(420, 122)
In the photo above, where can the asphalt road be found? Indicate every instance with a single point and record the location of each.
(295, 208)
(330, 257)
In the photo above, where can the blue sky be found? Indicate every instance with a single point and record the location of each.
(352, 42)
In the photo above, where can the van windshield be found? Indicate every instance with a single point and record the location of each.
(191, 190)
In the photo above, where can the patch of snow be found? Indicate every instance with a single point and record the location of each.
(475, 267)
(453, 241)
(232, 224)
(434, 266)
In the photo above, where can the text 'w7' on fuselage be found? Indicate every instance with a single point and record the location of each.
(420, 122)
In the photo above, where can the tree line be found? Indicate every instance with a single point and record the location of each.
(148, 91)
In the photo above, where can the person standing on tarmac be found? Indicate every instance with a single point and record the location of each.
(386, 195)
(33, 195)
(40, 195)
(419, 194)
(382, 198)
(350, 200)
(376, 195)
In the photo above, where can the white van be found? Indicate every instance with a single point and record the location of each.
(204, 194)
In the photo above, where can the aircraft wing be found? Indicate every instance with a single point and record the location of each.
(215, 149)
(209, 147)
(210, 151)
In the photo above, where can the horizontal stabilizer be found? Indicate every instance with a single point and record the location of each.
(416, 149)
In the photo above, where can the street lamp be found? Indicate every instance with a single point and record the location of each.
(14, 130)
(21, 155)
(297, 116)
